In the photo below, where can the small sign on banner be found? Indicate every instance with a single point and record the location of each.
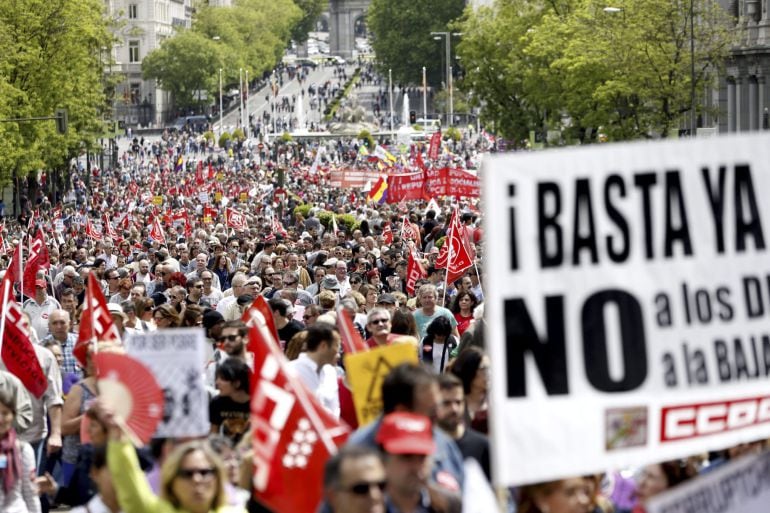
(367, 370)
(203, 197)
(157, 200)
(628, 315)
(176, 358)
(741, 486)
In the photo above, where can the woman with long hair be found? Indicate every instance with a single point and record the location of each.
(462, 308)
(223, 269)
(18, 493)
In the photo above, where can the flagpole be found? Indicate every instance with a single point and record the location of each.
(21, 267)
(390, 101)
(4, 304)
(448, 258)
(424, 95)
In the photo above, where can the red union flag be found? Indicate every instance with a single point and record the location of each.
(95, 323)
(91, 231)
(435, 145)
(108, 229)
(156, 231)
(17, 353)
(455, 256)
(235, 219)
(38, 259)
(414, 270)
(293, 435)
(387, 235)
(410, 231)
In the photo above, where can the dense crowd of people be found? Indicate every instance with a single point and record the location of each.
(203, 271)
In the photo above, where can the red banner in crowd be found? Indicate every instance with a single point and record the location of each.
(293, 435)
(350, 178)
(435, 145)
(405, 187)
(235, 219)
(455, 255)
(38, 259)
(96, 322)
(414, 270)
(17, 353)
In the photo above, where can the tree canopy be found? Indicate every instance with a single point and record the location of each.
(311, 11)
(52, 55)
(251, 35)
(582, 68)
(401, 39)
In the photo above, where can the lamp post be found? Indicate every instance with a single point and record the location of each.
(221, 127)
(448, 38)
(390, 96)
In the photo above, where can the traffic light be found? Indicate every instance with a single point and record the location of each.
(412, 117)
(61, 121)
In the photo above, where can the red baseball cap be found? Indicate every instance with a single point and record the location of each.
(406, 433)
(40, 283)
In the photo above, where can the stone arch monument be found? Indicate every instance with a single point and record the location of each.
(345, 17)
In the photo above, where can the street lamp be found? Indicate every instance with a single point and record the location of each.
(448, 36)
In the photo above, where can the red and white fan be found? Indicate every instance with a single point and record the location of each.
(131, 390)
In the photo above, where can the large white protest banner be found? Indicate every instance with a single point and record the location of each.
(742, 486)
(628, 303)
(176, 358)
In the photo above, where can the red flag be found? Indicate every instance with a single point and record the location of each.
(156, 231)
(260, 311)
(435, 145)
(95, 323)
(133, 187)
(208, 214)
(91, 231)
(199, 179)
(410, 231)
(454, 255)
(212, 174)
(18, 354)
(15, 267)
(38, 259)
(414, 270)
(387, 235)
(235, 219)
(278, 227)
(349, 335)
(108, 229)
(293, 435)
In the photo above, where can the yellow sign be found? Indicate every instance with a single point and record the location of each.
(366, 372)
(243, 196)
(217, 196)
(157, 200)
(220, 176)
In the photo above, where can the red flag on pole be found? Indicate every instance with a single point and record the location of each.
(410, 231)
(414, 270)
(435, 145)
(91, 231)
(17, 352)
(260, 311)
(293, 435)
(38, 259)
(454, 255)
(15, 267)
(95, 323)
(235, 219)
(156, 231)
(387, 235)
(349, 335)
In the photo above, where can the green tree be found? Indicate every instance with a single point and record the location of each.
(311, 11)
(401, 39)
(52, 55)
(183, 66)
(581, 68)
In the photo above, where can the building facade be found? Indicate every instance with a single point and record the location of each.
(744, 90)
(142, 26)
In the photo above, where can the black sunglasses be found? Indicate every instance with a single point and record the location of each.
(231, 338)
(363, 488)
(189, 473)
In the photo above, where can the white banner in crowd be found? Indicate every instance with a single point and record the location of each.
(628, 303)
(176, 359)
(742, 486)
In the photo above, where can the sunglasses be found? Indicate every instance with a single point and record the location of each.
(364, 487)
(355, 282)
(378, 321)
(197, 286)
(230, 338)
(189, 473)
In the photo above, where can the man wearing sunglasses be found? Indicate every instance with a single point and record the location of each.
(354, 481)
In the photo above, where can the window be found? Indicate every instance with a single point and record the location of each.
(133, 51)
(133, 11)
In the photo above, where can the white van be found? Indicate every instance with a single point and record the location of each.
(429, 125)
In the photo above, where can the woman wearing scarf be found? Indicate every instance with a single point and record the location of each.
(18, 491)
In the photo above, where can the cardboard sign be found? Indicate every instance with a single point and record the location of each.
(367, 370)
(176, 358)
(628, 306)
(741, 486)
(157, 200)
(203, 197)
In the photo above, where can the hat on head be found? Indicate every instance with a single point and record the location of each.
(245, 300)
(387, 298)
(330, 283)
(40, 283)
(330, 262)
(212, 318)
(406, 433)
(116, 309)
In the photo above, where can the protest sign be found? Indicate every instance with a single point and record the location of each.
(366, 370)
(351, 178)
(405, 187)
(176, 358)
(628, 308)
(742, 486)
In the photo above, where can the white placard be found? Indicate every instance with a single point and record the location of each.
(176, 358)
(742, 486)
(203, 197)
(628, 303)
